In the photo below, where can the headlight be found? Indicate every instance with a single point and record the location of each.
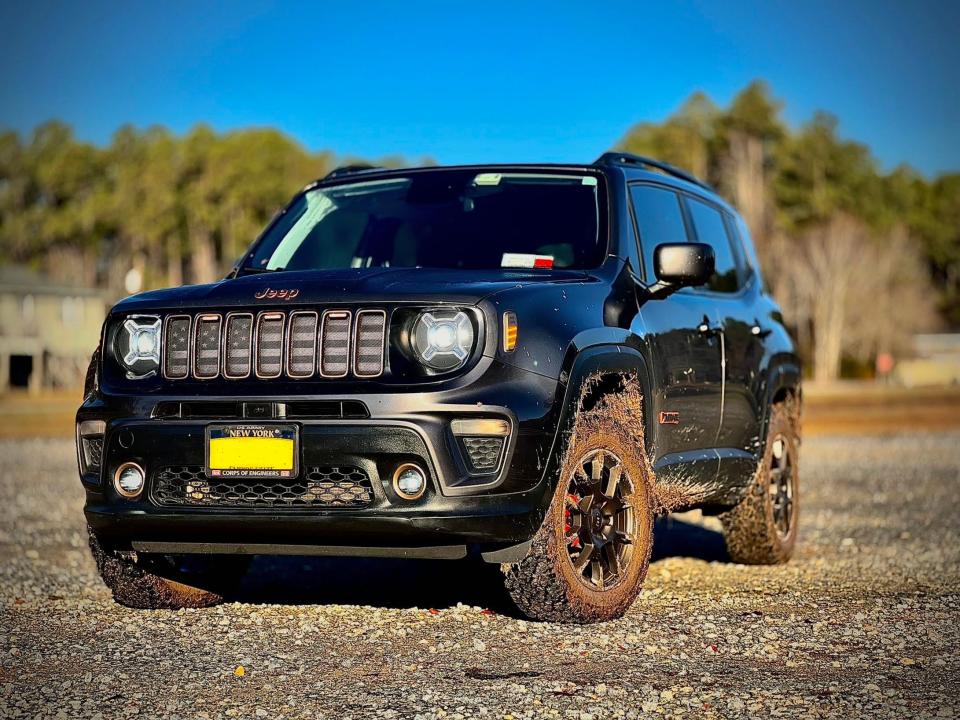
(442, 339)
(138, 344)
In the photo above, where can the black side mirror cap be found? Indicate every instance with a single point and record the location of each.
(678, 265)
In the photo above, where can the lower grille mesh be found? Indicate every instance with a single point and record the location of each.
(329, 486)
(483, 452)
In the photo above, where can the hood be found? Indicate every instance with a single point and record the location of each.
(366, 285)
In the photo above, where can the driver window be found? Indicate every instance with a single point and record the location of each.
(659, 220)
(712, 230)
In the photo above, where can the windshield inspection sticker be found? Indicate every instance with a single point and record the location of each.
(526, 260)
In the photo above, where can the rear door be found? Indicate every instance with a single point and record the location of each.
(684, 342)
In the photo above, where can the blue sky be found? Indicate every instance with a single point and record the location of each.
(482, 81)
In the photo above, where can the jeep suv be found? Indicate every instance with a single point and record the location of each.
(521, 363)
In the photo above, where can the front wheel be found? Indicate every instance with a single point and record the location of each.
(167, 581)
(589, 559)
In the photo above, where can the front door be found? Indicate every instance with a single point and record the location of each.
(684, 345)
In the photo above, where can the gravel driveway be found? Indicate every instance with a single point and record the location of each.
(865, 621)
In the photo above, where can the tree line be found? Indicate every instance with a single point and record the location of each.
(859, 258)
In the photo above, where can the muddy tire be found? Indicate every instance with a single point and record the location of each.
(554, 582)
(762, 528)
(165, 582)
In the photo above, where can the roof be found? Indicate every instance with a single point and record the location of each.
(632, 166)
(22, 279)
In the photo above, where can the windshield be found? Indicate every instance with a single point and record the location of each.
(440, 219)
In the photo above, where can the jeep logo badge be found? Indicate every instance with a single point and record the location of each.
(271, 294)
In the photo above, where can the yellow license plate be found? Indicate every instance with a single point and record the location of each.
(252, 451)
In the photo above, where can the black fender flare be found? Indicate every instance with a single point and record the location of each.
(783, 377)
(586, 364)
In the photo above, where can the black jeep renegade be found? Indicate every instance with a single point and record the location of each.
(523, 363)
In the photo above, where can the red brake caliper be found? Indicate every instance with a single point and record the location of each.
(568, 519)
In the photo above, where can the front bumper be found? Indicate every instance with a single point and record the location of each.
(459, 510)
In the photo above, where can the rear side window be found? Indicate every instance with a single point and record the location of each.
(711, 230)
(748, 249)
(659, 220)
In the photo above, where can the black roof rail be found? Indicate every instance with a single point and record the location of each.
(349, 169)
(624, 158)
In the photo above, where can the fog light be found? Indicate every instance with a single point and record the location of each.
(128, 479)
(409, 481)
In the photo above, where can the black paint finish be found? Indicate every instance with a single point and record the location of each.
(710, 364)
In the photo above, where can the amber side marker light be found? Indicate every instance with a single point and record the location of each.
(510, 331)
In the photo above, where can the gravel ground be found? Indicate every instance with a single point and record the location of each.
(865, 621)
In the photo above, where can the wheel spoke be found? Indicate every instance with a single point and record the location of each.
(613, 479)
(596, 467)
(586, 502)
(613, 559)
(596, 573)
(580, 562)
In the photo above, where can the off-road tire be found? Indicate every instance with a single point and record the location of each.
(156, 582)
(749, 528)
(544, 585)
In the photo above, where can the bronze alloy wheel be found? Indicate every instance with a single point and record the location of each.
(598, 521)
(781, 485)
(588, 561)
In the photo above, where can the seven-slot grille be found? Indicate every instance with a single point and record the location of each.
(299, 344)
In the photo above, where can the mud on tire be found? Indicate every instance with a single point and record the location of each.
(138, 581)
(754, 529)
(545, 584)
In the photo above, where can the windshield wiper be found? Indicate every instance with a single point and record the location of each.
(257, 271)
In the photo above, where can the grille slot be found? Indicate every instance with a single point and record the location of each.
(206, 353)
(325, 486)
(236, 363)
(369, 343)
(302, 345)
(176, 356)
(335, 343)
(269, 345)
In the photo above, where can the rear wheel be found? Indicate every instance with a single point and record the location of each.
(150, 581)
(762, 528)
(588, 561)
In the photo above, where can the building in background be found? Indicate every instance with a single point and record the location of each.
(936, 361)
(47, 330)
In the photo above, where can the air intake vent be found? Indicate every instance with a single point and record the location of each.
(176, 356)
(335, 343)
(369, 343)
(302, 345)
(269, 361)
(236, 364)
(206, 355)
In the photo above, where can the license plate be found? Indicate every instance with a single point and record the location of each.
(252, 451)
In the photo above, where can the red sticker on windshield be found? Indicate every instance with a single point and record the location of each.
(526, 260)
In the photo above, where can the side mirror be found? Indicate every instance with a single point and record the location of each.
(679, 265)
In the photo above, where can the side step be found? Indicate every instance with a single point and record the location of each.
(439, 552)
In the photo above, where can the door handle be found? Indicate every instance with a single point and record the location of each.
(706, 327)
(757, 330)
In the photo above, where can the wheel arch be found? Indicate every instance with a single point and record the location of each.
(593, 372)
(783, 385)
